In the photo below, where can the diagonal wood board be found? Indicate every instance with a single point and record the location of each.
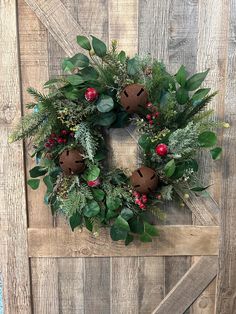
(64, 29)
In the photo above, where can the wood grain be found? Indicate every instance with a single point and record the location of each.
(173, 240)
(61, 24)
(185, 292)
(14, 264)
(226, 285)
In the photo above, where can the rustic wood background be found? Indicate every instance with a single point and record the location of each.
(35, 36)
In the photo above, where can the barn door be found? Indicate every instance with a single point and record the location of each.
(48, 269)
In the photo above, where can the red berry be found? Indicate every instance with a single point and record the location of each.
(136, 194)
(51, 141)
(72, 134)
(142, 206)
(138, 202)
(64, 140)
(53, 135)
(161, 149)
(91, 94)
(47, 145)
(157, 114)
(158, 196)
(94, 183)
(148, 116)
(151, 122)
(60, 140)
(149, 105)
(64, 132)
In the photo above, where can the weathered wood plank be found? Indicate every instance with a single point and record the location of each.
(190, 286)
(45, 280)
(226, 284)
(173, 240)
(58, 20)
(14, 264)
(34, 72)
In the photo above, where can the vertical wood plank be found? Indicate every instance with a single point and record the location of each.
(14, 264)
(226, 284)
(212, 52)
(34, 72)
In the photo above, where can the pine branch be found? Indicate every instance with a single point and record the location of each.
(38, 96)
(199, 106)
(28, 126)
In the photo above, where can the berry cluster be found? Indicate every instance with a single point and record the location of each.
(61, 138)
(152, 117)
(140, 199)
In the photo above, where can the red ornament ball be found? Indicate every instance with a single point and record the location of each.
(161, 150)
(91, 94)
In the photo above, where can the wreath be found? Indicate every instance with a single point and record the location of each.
(107, 89)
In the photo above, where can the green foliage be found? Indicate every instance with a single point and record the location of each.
(184, 142)
(87, 139)
(178, 120)
(216, 153)
(84, 42)
(33, 183)
(105, 103)
(207, 139)
(99, 47)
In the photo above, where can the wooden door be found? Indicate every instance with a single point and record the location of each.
(48, 269)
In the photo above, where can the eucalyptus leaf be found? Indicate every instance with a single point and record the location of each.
(84, 42)
(49, 184)
(112, 202)
(126, 213)
(207, 139)
(75, 79)
(169, 168)
(132, 66)
(98, 194)
(92, 173)
(199, 188)
(75, 220)
(99, 47)
(105, 103)
(122, 223)
(89, 74)
(38, 171)
(106, 119)
(129, 239)
(151, 230)
(33, 183)
(145, 237)
(117, 233)
(91, 209)
(122, 57)
(216, 153)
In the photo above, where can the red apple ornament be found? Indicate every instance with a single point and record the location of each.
(91, 94)
(161, 150)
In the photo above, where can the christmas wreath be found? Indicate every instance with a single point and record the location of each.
(107, 89)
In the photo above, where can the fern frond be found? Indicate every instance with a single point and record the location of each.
(203, 115)
(86, 138)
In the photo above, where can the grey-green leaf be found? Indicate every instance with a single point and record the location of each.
(105, 103)
(207, 139)
(33, 183)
